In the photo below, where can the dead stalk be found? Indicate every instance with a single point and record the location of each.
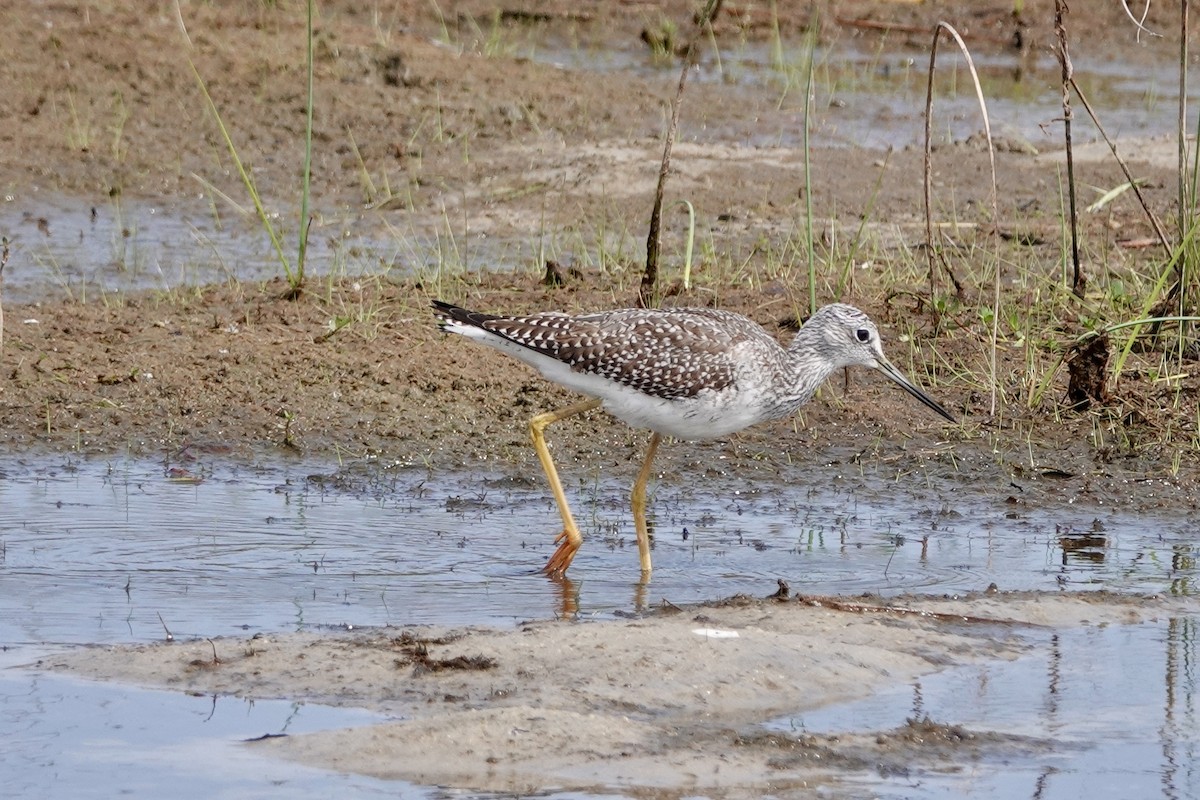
(1186, 203)
(1064, 55)
(171, 636)
(647, 293)
(1158, 231)
(928, 182)
(987, 131)
(1181, 133)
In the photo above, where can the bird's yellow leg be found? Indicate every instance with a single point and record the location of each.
(570, 539)
(639, 505)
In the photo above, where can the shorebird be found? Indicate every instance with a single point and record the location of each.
(691, 373)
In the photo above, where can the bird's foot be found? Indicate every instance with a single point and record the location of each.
(568, 545)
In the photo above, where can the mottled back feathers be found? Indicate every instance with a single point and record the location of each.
(666, 353)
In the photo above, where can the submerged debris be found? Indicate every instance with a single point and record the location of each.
(556, 276)
(202, 664)
(416, 654)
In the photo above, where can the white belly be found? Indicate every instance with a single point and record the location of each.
(707, 415)
(694, 418)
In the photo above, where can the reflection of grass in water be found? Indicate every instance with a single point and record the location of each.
(50, 264)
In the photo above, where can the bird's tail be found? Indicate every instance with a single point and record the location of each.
(446, 314)
(455, 319)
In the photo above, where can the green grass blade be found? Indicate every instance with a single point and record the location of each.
(243, 173)
(247, 180)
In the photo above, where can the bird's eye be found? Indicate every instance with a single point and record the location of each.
(863, 335)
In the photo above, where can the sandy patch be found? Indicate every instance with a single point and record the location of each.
(673, 700)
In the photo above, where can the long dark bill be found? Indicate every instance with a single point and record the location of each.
(886, 367)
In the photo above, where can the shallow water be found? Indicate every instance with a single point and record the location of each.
(118, 551)
(1114, 712)
(875, 98)
(71, 738)
(125, 551)
(62, 248)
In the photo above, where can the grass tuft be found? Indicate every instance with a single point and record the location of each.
(294, 273)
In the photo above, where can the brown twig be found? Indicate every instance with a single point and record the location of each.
(171, 636)
(1064, 56)
(647, 291)
(1162, 236)
(929, 249)
(851, 606)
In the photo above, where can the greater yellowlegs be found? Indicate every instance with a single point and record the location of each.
(691, 373)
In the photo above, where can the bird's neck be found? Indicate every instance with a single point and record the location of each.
(805, 368)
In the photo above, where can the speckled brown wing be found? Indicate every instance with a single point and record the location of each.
(667, 353)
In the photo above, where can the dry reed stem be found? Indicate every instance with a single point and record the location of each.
(647, 293)
(1158, 231)
(987, 131)
(1182, 167)
(1064, 55)
(1181, 123)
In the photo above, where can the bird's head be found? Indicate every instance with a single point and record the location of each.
(846, 337)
